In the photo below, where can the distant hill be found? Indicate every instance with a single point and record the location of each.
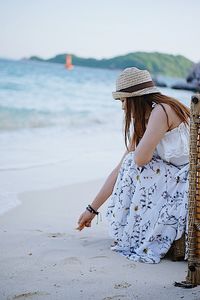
(155, 62)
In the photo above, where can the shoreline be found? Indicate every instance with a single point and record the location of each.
(13, 200)
(44, 257)
(50, 160)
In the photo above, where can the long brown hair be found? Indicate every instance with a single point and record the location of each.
(137, 108)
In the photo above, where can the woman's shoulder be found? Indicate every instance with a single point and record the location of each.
(168, 112)
(162, 106)
(162, 109)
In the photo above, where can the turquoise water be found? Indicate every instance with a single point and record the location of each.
(58, 127)
(38, 95)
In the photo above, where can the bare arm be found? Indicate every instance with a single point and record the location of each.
(156, 128)
(107, 188)
(104, 193)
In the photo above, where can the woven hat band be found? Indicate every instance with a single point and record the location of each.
(138, 87)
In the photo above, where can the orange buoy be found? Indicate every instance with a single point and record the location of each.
(68, 63)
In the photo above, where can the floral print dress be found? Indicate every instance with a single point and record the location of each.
(147, 210)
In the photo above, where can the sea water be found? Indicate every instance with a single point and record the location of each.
(58, 127)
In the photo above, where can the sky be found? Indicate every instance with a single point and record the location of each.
(99, 28)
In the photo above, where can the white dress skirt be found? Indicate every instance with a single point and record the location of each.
(148, 208)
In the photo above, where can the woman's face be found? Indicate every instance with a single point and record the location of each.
(123, 101)
(124, 106)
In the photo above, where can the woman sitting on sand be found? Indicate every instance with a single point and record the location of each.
(148, 190)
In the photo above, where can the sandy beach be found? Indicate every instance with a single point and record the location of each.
(44, 257)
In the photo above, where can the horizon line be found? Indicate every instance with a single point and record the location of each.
(97, 58)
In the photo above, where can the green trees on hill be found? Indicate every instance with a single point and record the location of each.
(155, 62)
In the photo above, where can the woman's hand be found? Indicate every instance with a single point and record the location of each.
(85, 220)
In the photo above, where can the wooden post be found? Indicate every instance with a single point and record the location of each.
(193, 276)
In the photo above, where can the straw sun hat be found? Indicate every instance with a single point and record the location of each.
(134, 82)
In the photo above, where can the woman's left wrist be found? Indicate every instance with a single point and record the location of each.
(91, 209)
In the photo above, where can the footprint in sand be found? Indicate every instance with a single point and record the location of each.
(37, 230)
(72, 260)
(28, 294)
(56, 235)
(116, 297)
(89, 242)
(92, 269)
(99, 256)
(122, 285)
(131, 266)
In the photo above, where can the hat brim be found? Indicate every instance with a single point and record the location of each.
(118, 95)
